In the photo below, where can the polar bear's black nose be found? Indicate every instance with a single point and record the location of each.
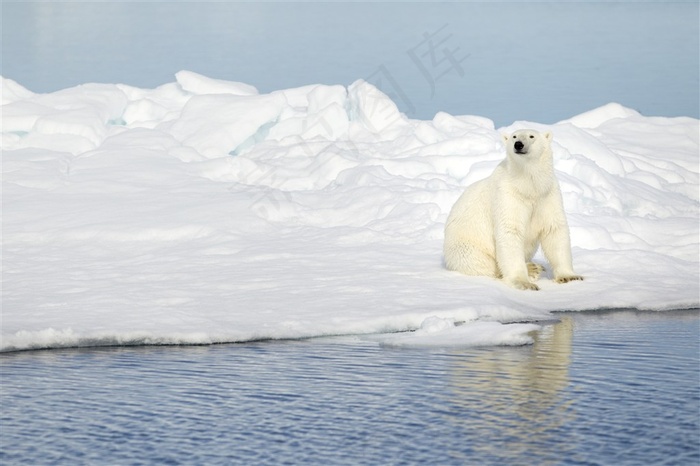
(518, 145)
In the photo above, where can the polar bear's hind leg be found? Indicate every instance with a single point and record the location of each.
(469, 260)
(534, 271)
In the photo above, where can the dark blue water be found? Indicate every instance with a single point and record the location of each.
(618, 388)
(508, 61)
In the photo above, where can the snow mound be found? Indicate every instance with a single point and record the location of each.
(197, 84)
(437, 332)
(598, 116)
(204, 212)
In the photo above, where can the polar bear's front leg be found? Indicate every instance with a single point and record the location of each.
(556, 246)
(510, 254)
(524, 285)
(568, 278)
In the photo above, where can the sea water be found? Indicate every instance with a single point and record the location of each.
(602, 388)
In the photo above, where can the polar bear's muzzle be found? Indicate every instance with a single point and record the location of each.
(519, 148)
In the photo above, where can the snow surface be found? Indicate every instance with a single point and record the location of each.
(202, 212)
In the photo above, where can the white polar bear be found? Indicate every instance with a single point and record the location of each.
(496, 226)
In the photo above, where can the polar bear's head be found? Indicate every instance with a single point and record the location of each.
(527, 141)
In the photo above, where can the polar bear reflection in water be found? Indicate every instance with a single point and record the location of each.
(519, 398)
(496, 226)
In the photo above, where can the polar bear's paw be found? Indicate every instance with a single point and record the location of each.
(534, 271)
(568, 278)
(524, 285)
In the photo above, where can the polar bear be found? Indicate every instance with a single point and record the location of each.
(496, 226)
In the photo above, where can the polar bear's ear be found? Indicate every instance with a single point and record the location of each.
(547, 135)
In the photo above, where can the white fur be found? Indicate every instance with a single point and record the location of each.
(496, 226)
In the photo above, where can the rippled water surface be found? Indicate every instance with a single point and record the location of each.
(598, 388)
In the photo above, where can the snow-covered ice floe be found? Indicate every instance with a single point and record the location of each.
(204, 212)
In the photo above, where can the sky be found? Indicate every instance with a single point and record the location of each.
(507, 61)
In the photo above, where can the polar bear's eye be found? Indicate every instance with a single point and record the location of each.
(532, 137)
(514, 136)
